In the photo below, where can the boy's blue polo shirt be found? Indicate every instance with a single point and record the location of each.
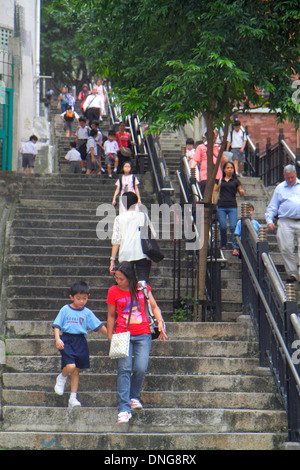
(70, 320)
(238, 228)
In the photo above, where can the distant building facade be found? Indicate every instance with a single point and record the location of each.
(19, 80)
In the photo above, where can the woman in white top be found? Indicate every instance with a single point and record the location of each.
(127, 182)
(101, 90)
(126, 238)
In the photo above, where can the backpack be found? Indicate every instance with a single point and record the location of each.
(121, 184)
(244, 133)
(69, 116)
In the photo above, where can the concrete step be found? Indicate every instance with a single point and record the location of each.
(261, 382)
(16, 291)
(173, 365)
(83, 260)
(234, 295)
(75, 270)
(128, 440)
(160, 399)
(174, 348)
(18, 418)
(40, 307)
(67, 280)
(196, 331)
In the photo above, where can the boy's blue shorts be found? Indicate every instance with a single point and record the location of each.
(75, 351)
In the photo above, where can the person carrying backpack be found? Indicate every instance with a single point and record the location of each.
(69, 117)
(127, 182)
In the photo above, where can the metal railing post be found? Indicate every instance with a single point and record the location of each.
(280, 156)
(292, 391)
(262, 247)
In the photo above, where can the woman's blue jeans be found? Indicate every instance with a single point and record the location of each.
(232, 220)
(130, 379)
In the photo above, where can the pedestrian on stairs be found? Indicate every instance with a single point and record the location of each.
(123, 139)
(199, 161)
(255, 223)
(93, 165)
(101, 90)
(29, 151)
(285, 204)
(126, 239)
(73, 321)
(83, 94)
(236, 143)
(227, 205)
(92, 106)
(74, 158)
(99, 139)
(126, 183)
(62, 100)
(128, 303)
(81, 138)
(69, 116)
(111, 153)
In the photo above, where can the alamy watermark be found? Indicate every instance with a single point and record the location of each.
(296, 354)
(167, 223)
(296, 94)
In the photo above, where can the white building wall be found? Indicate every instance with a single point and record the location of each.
(25, 47)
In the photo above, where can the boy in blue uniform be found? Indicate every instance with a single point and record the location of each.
(238, 228)
(73, 321)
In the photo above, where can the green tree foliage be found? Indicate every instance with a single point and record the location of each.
(170, 59)
(59, 51)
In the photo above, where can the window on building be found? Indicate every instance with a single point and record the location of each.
(5, 34)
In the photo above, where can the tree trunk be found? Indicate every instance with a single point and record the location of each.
(207, 198)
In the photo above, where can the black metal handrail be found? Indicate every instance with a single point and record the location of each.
(273, 309)
(186, 262)
(162, 184)
(268, 165)
(146, 150)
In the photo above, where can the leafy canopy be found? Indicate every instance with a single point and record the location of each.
(170, 60)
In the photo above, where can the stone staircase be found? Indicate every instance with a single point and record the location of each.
(204, 388)
(171, 143)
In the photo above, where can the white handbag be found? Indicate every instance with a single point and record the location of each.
(119, 345)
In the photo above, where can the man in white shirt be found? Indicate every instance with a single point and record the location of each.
(92, 106)
(236, 142)
(29, 152)
(285, 204)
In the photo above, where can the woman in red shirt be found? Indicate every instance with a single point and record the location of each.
(127, 301)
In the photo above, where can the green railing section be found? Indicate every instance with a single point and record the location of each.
(6, 109)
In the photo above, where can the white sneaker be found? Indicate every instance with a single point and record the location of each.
(73, 402)
(124, 417)
(136, 404)
(60, 385)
